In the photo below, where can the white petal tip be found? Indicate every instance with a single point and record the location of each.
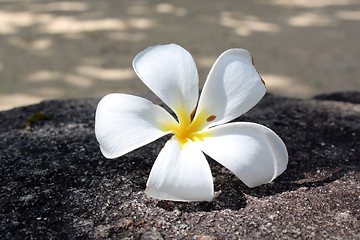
(167, 197)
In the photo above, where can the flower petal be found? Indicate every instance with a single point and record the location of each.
(171, 73)
(125, 122)
(233, 87)
(180, 173)
(253, 152)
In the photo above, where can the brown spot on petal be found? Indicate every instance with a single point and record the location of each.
(253, 63)
(252, 60)
(192, 114)
(263, 81)
(211, 118)
(146, 189)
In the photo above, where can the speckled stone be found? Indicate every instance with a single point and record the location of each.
(55, 184)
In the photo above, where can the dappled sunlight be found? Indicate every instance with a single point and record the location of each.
(19, 99)
(106, 74)
(312, 3)
(309, 19)
(36, 44)
(10, 21)
(62, 49)
(348, 15)
(42, 76)
(171, 9)
(72, 25)
(60, 6)
(79, 81)
(45, 76)
(277, 84)
(247, 25)
(41, 44)
(125, 36)
(141, 23)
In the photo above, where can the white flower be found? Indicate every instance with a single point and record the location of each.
(253, 152)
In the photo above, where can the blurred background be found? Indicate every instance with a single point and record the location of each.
(77, 49)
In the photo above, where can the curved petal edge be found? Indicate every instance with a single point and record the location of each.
(170, 72)
(232, 87)
(180, 173)
(253, 152)
(125, 122)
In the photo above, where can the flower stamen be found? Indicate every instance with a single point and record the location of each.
(189, 127)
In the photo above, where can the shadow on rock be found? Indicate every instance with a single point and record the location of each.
(322, 138)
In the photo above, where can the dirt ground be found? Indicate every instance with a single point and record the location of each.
(55, 183)
(76, 49)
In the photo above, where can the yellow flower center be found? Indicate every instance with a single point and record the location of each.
(189, 129)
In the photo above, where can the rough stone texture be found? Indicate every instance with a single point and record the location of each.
(55, 184)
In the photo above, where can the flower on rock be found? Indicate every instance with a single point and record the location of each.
(254, 153)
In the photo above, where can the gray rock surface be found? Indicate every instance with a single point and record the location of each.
(55, 184)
